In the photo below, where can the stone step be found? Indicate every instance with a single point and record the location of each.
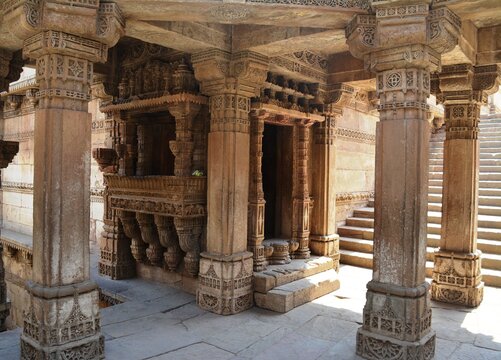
(435, 182)
(487, 143)
(489, 210)
(364, 260)
(360, 222)
(356, 232)
(482, 199)
(491, 277)
(491, 261)
(434, 206)
(489, 156)
(490, 176)
(370, 203)
(490, 150)
(360, 245)
(278, 275)
(489, 247)
(489, 184)
(367, 212)
(434, 189)
(489, 233)
(489, 192)
(435, 175)
(289, 296)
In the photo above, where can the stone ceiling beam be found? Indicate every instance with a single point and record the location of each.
(275, 41)
(182, 36)
(489, 45)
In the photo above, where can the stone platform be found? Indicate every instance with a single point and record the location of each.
(282, 288)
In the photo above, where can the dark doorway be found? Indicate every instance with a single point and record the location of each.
(277, 181)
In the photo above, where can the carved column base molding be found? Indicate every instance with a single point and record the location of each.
(278, 253)
(376, 347)
(326, 245)
(73, 331)
(116, 260)
(396, 327)
(225, 285)
(457, 279)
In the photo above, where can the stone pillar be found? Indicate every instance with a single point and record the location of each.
(62, 318)
(323, 239)
(301, 202)
(225, 285)
(8, 149)
(456, 273)
(397, 314)
(115, 258)
(257, 203)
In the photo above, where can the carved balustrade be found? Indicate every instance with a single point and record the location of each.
(162, 215)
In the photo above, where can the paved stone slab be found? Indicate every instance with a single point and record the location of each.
(196, 351)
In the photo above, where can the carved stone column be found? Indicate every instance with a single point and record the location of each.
(132, 231)
(256, 194)
(456, 274)
(397, 314)
(115, 258)
(62, 318)
(168, 239)
(182, 147)
(127, 148)
(230, 80)
(8, 149)
(301, 202)
(323, 239)
(149, 234)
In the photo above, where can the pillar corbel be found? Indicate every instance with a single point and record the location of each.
(226, 267)
(65, 42)
(457, 265)
(401, 44)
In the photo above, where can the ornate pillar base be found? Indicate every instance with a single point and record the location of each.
(326, 245)
(63, 327)
(225, 283)
(396, 327)
(375, 346)
(457, 278)
(116, 260)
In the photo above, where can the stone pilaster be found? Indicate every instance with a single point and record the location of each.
(456, 274)
(8, 149)
(256, 194)
(115, 258)
(225, 278)
(397, 314)
(301, 201)
(324, 240)
(62, 318)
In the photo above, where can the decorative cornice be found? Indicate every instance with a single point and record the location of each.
(355, 135)
(19, 187)
(344, 4)
(23, 136)
(161, 101)
(354, 196)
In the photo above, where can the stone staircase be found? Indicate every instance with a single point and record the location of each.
(282, 288)
(356, 236)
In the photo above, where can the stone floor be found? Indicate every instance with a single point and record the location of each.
(159, 322)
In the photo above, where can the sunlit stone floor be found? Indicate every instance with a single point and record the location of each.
(159, 322)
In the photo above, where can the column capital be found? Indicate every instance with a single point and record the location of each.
(100, 20)
(462, 83)
(403, 35)
(222, 72)
(336, 97)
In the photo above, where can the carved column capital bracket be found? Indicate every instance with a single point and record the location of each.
(336, 97)
(102, 20)
(466, 83)
(379, 41)
(221, 72)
